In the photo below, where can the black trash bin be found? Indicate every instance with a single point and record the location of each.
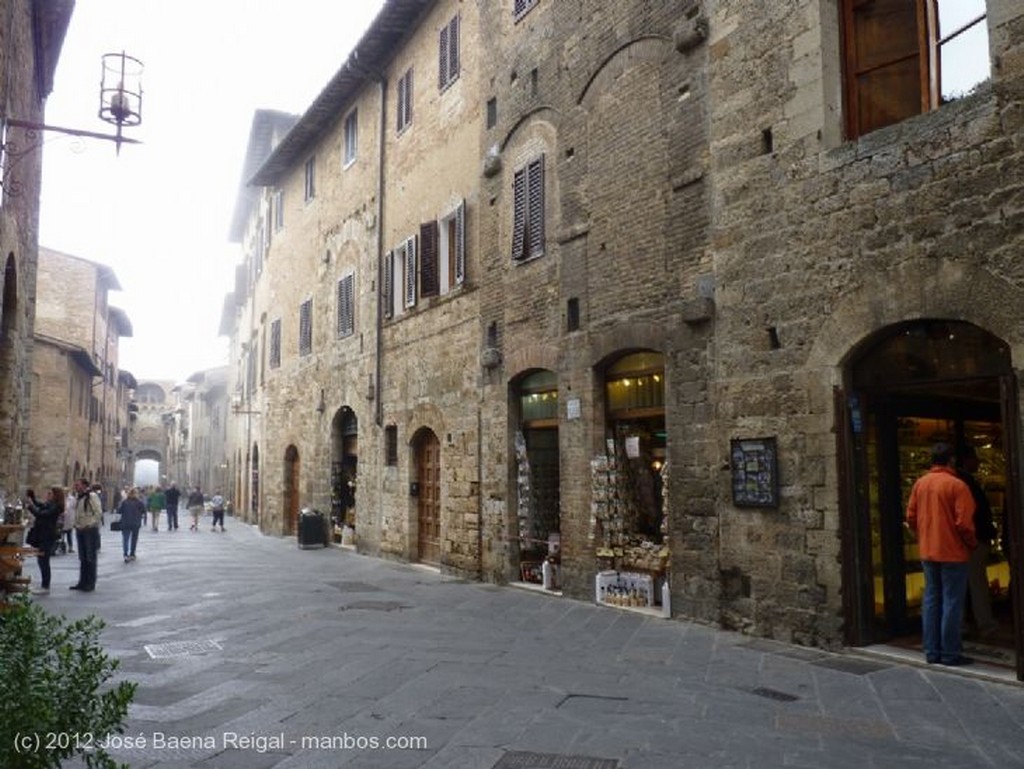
(312, 529)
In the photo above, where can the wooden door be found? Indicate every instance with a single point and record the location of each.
(428, 501)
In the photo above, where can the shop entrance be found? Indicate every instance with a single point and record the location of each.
(428, 497)
(344, 464)
(538, 479)
(917, 385)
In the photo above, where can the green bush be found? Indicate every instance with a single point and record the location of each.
(55, 703)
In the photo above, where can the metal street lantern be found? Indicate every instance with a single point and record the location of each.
(120, 105)
(121, 92)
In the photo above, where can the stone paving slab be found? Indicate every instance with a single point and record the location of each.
(282, 655)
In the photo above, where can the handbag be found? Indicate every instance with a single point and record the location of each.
(115, 522)
(32, 538)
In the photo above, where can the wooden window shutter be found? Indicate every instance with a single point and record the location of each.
(346, 306)
(535, 207)
(887, 75)
(453, 49)
(410, 272)
(460, 243)
(400, 104)
(387, 289)
(442, 69)
(430, 276)
(519, 214)
(408, 97)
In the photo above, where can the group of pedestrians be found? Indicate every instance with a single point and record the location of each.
(80, 510)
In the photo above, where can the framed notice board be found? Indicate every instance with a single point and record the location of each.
(755, 472)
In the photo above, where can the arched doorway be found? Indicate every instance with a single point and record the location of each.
(290, 513)
(427, 456)
(344, 465)
(537, 475)
(907, 388)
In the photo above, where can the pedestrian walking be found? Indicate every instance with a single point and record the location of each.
(171, 498)
(156, 503)
(195, 507)
(45, 532)
(88, 515)
(941, 515)
(132, 511)
(217, 503)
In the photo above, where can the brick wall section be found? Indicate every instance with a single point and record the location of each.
(619, 114)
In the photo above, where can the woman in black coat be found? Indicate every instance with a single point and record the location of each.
(45, 532)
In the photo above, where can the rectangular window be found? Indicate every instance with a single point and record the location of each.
(351, 125)
(528, 211)
(310, 187)
(306, 327)
(404, 107)
(346, 306)
(398, 291)
(278, 209)
(275, 343)
(520, 7)
(906, 57)
(391, 445)
(445, 264)
(448, 54)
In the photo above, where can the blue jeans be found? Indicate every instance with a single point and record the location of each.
(945, 592)
(129, 539)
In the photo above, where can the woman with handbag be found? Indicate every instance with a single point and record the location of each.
(44, 533)
(132, 509)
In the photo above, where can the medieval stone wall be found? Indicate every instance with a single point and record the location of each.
(817, 244)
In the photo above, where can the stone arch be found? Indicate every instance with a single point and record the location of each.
(534, 356)
(424, 416)
(615, 342)
(952, 289)
(650, 48)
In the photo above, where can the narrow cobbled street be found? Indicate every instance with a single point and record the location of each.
(250, 652)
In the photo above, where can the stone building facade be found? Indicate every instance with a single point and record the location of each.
(80, 395)
(205, 406)
(31, 37)
(730, 269)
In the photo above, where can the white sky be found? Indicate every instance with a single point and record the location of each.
(159, 213)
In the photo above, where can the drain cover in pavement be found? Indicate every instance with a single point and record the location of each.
(373, 606)
(181, 649)
(522, 760)
(355, 587)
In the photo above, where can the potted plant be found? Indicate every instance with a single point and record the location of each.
(56, 699)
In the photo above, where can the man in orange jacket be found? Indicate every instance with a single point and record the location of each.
(941, 515)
